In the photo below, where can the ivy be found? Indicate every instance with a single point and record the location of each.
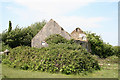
(55, 58)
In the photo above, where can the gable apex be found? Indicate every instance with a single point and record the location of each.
(49, 29)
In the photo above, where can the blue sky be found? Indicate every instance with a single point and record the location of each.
(97, 16)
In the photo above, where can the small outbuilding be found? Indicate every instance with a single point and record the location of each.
(80, 37)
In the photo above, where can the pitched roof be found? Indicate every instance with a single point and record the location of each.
(50, 28)
(78, 34)
(78, 30)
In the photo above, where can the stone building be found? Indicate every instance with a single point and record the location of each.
(78, 34)
(53, 28)
(49, 29)
(80, 37)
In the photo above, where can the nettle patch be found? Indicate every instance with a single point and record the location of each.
(64, 58)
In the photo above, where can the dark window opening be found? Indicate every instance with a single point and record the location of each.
(77, 29)
(43, 43)
(62, 28)
(80, 43)
(54, 23)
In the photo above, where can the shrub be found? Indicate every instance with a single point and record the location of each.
(55, 38)
(98, 47)
(21, 36)
(36, 27)
(64, 58)
(4, 47)
(112, 59)
(10, 26)
(117, 50)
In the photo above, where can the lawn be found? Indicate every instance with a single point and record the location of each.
(0, 71)
(0, 67)
(108, 70)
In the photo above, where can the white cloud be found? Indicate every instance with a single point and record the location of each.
(107, 0)
(55, 9)
(6, 0)
(9, 8)
(70, 23)
(35, 10)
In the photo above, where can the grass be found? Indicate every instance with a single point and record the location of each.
(0, 71)
(0, 68)
(15, 73)
(107, 71)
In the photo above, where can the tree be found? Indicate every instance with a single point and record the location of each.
(98, 47)
(117, 50)
(10, 26)
(21, 36)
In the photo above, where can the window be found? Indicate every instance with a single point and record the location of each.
(62, 28)
(77, 29)
(81, 35)
(43, 43)
(84, 38)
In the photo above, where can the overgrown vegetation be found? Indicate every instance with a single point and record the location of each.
(100, 48)
(10, 26)
(61, 55)
(4, 47)
(56, 39)
(106, 69)
(117, 50)
(21, 36)
(64, 58)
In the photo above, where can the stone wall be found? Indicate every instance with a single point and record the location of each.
(49, 29)
(84, 44)
(53, 28)
(78, 34)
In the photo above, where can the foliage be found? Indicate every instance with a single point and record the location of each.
(18, 37)
(4, 47)
(10, 26)
(112, 59)
(8, 72)
(21, 36)
(0, 41)
(107, 50)
(98, 47)
(55, 38)
(36, 27)
(117, 50)
(64, 58)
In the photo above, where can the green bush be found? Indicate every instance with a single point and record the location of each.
(21, 36)
(58, 39)
(4, 47)
(55, 39)
(112, 59)
(64, 58)
(36, 27)
(10, 26)
(117, 50)
(98, 47)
